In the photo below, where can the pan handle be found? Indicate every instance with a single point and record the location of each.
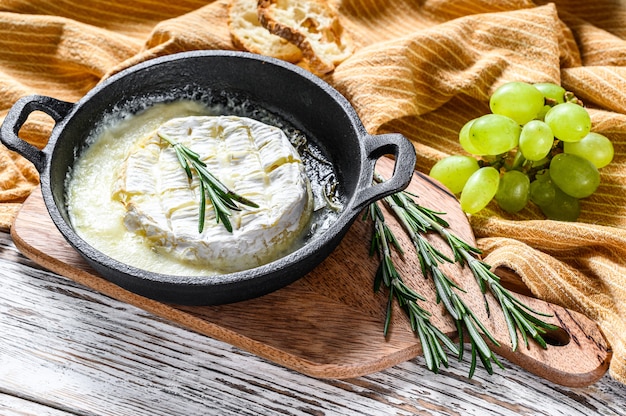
(15, 119)
(377, 146)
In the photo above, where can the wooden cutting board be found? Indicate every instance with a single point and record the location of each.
(329, 324)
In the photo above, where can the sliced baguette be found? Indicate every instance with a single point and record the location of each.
(248, 34)
(313, 26)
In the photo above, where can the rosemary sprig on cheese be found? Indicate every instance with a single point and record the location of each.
(417, 221)
(223, 199)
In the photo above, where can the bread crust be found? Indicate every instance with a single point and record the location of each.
(248, 34)
(313, 26)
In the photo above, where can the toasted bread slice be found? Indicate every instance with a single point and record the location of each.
(248, 34)
(313, 26)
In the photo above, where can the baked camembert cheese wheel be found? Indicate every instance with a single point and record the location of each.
(253, 159)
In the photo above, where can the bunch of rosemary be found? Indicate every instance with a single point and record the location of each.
(417, 222)
(223, 199)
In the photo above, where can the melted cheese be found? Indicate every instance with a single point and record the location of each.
(252, 159)
(105, 200)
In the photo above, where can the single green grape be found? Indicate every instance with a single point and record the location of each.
(480, 189)
(594, 147)
(453, 171)
(494, 134)
(574, 175)
(568, 121)
(517, 100)
(536, 140)
(464, 139)
(542, 114)
(542, 191)
(513, 191)
(562, 208)
(551, 91)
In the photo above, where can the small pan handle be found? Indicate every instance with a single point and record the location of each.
(17, 116)
(377, 146)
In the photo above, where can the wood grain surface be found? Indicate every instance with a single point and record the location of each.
(68, 350)
(329, 323)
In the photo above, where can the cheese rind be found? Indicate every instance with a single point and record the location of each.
(251, 158)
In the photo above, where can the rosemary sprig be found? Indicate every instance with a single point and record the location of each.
(418, 221)
(446, 289)
(518, 315)
(223, 199)
(432, 339)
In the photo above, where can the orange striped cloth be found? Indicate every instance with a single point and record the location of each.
(419, 68)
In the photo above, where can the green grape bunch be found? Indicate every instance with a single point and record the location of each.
(535, 146)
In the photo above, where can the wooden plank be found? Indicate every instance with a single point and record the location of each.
(21, 406)
(67, 347)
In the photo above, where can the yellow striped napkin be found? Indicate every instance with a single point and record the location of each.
(419, 68)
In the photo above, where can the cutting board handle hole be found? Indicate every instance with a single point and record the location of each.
(557, 337)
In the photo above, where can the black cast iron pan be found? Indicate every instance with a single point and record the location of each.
(294, 94)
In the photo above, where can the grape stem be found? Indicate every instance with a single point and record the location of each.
(515, 160)
(418, 221)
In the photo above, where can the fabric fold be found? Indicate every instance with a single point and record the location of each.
(417, 73)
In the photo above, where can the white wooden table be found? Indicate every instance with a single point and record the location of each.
(67, 350)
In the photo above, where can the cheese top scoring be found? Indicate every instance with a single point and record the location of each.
(251, 158)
